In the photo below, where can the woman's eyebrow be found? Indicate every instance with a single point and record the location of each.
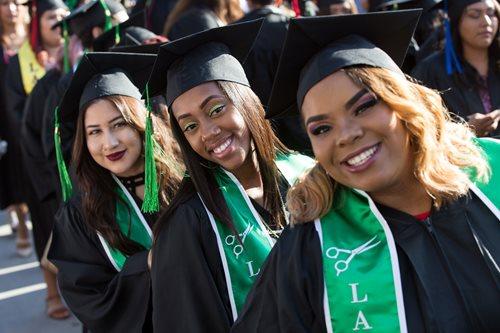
(355, 98)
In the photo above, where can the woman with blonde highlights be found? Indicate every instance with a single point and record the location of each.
(103, 232)
(396, 228)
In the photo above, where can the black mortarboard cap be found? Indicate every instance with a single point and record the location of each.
(105, 74)
(44, 5)
(212, 55)
(316, 47)
(146, 48)
(130, 33)
(89, 15)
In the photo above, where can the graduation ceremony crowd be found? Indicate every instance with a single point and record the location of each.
(256, 165)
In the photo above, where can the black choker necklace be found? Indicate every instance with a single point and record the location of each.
(132, 182)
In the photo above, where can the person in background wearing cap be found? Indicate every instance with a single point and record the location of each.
(101, 238)
(396, 228)
(228, 212)
(91, 19)
(127, 34)
(14, 20)
(192, 16)
(468, 70)
(84, 22)
(36, 56)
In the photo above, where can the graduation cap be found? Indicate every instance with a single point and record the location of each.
(44, 5)
(99, 75)
(130, 32)
(91, 14)
(38, 8)
(146, 48)
(210, 55)
(316, 47)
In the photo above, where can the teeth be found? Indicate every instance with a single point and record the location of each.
(223, 146)
(362, 158)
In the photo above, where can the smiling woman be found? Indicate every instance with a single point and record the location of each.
(216, 234)
(101, 239)
(397, 227)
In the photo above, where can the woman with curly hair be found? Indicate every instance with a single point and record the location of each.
(396, 228)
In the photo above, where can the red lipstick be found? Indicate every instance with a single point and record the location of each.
(116, 156)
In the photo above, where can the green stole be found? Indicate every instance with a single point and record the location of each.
(242, 261)
(132, 225)
(362, 290)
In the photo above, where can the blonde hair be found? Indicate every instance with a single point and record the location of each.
(442, 147)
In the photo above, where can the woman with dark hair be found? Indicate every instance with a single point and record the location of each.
(101, 239)
(216, 234)
(192, 16)
(396, 228)
(468, 70)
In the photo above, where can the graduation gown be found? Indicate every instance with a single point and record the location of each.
(195, 19)
(156, 13)
(459, 95)
(102, 298)
(47, 131)
(41, 178)
(450, 284)
(189, 286)
(15, 97)
(4, 129)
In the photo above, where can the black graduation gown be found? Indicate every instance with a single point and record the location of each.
(15, 97)
(189, 286)
(103, 299)
(459, 95)
(47, 132)
(4, 190)
(43, 204)
(449, 285)
(156, 13)
(195, 19)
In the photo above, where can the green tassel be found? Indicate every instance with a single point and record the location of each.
(151, 202)
(117, 34)
(66, 63)
(66, 186)
(107, 23)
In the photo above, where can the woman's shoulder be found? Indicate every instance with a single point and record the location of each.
(433, 65)
(69, 217)
(199, 15)
(188, 214)
(297, 238)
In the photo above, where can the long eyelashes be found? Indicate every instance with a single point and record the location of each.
(363, 107)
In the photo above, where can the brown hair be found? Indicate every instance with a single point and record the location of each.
(227, 11)
(266, 146)
(442, 147)
(96, 184)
